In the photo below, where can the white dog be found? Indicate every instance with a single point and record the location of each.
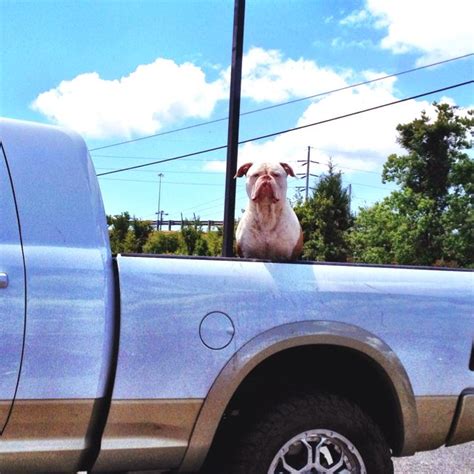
(269, 228)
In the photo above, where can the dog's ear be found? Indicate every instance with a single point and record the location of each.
(288, 169)
(243, 170)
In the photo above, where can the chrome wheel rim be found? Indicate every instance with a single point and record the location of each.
(317, 451)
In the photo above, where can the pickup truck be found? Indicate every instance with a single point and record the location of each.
(225, 365)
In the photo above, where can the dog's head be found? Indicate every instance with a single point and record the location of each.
(266, 181)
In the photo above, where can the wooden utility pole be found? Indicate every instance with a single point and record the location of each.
(233, 128)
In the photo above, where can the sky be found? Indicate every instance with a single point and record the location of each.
(117, 71)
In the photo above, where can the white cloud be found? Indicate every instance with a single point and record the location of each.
(341, 43)
(143, 102)
(361, 142)
(215, 166)
(355, 18)
(163, 92)
(437, 30)
(269, 77)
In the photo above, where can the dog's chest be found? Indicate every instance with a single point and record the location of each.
(271, 242)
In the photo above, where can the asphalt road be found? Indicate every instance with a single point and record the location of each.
(453, 460)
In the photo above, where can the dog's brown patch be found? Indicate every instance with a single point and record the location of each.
(242, 171)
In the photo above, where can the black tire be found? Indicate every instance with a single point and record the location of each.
(320, 414)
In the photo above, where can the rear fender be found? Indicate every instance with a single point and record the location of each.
(290, 336)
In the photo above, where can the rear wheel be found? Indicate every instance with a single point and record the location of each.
(308, 434)
(317, 451)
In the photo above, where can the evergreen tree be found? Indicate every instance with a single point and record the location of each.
(326, 219)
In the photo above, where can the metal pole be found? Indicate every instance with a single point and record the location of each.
(158, 216)
(161, 217)
(233, 128)
(307, 173)
(350, 197)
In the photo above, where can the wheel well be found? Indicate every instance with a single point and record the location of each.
(334, 369)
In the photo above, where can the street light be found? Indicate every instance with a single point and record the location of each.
(158, 215)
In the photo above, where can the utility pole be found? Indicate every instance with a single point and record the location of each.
(350, 197)
(158, 214)
(161, 217)
(307, 174)
(233, 128)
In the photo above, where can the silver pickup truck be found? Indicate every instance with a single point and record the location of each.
(223, 365)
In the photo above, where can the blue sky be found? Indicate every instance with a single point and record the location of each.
(120, 70)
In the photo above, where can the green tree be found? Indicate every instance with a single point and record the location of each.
(383, 234)
(326, 219)
(130, 244)
(202, 247)
(163, 243)
(192, 236)
(141, 231)
(118, 229)
(429, 220)
(127, 234)
(214, 241)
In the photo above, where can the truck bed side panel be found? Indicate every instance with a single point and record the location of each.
(425, 316)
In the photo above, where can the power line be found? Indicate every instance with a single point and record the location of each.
(355, 169)
(217, 206)
(347, 183)
(363, 83)
(301, 127)
(281, 104)
(165, 182)
(201, 152)
(212, 173)
(323, 150)
(197, 206)
(368, 186)
(188, 183)
(144, 158)
(215, 173)
(200, 208)
(331, 153)
(358, 112)
(175, 130)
